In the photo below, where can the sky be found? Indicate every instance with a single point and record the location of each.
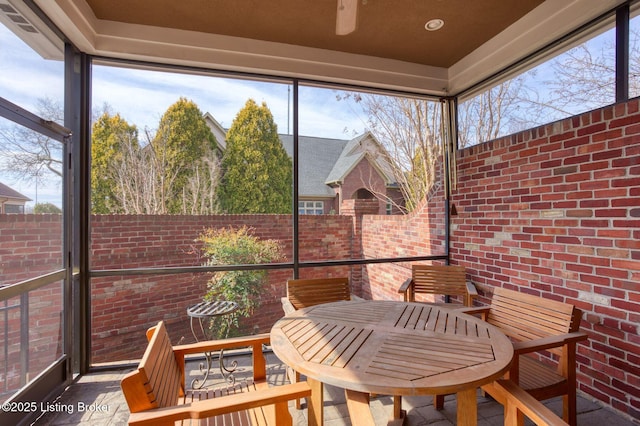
(142, 96)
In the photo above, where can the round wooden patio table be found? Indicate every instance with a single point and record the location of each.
(391, 348)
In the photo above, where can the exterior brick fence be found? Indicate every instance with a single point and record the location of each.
(123, 307)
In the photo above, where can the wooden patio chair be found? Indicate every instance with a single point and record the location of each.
(302, 293)
(536, 324)
(520, 404)
(156, 394)
(448, 280)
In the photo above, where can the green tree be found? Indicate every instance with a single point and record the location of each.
(257, 172)
(183, 139)
(110, 133)
(42, 208)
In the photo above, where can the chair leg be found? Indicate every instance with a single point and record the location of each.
(397, 408)
(438, 402)
(569, 409)
(294, 377)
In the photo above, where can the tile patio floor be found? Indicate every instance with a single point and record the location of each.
(103, 389)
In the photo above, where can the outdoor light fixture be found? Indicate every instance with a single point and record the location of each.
(434, 25)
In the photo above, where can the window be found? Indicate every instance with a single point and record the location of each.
(33, 267)
(634, 56)
(310, 207)
(169, 211)
(13, 208)
(173, 133)
(577, 80)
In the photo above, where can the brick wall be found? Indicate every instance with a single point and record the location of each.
(123, 307)
(29, 246)
(421, 233)
(555, 211)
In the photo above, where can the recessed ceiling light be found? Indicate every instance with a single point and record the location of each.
(434, 25)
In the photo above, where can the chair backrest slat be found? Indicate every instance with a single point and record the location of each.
(439, 279)
(526, 317)
(310, 292)
(158, 372)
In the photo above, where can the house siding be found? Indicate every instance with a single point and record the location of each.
(365, 176)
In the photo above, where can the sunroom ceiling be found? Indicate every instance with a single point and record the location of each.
(389, 48)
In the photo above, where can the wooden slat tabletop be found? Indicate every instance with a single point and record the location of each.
(393, 348)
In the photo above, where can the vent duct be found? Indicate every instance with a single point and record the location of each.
(25, 24)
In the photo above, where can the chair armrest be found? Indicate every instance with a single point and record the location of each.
(216, 345)
(472, 290)
(217, 406)
(405, 285)
(519, 400)
(548, 342)
(479, 310)
(287, 306)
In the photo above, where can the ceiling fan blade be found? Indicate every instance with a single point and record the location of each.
(346, 17)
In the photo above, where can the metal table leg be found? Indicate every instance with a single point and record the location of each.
(196, 312)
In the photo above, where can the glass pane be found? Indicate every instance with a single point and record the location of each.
(30, 164)
(575, 81)
(30, 336)
(185, 166)
(634, 56)
(372, 151)
(30, 204)
(29, 80)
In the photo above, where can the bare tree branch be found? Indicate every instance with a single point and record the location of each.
(29, 155)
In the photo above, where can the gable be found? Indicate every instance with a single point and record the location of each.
(218, 131)
(363, 147)
(8, 193)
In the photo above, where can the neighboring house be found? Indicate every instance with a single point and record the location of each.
(218, 131)
(334, 170)
(11, 201)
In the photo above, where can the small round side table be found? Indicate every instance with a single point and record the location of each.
(205, 311)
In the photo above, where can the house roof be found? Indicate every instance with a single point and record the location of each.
(389, 48)
(317, 160)
(325, 161)
(322, 161)
(355, 151)
(9, 193)
(218, 131)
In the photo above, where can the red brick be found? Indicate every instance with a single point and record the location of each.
(611, 213)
